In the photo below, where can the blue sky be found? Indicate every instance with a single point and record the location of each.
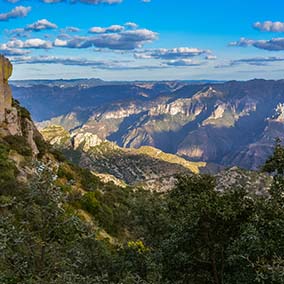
(143, 40)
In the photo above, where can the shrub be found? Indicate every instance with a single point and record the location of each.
(90, 203)
(42, 146)
(19, 144)
(59, 156)
(88, 180)
(65, 171)
(7, 171)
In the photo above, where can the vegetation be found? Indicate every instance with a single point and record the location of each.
(8, 170)
(102, 233)
(19, 144)
(23, 112)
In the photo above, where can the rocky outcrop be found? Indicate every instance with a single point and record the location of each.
(6, 69)
(86, 141)
(56, 135)
(14, 119)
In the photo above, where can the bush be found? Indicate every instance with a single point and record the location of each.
(58, 155)
(23, 112)
(19, 144)
(88, 180)
(8, 171)
(90, 203)
(65, 171)
(99, 210)
(42, 146)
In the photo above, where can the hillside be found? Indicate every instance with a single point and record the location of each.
(146, 166)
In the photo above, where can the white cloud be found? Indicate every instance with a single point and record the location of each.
(17, 12)
(269, 26)
(110, 29)
(40, 25)
(60, 43)
(171, 54)
(275, 44)
(125, 40)
(33, 43)
(131, 25)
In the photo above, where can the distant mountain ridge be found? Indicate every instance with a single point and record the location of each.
(230, 123)
(96, 82)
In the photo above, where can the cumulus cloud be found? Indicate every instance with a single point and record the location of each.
(269, 26)
(171, 54)
(110, 29)
(275, 44)
(115, 37)
(40, 25)
(125, 40)
(17, 12)
(19, 33)
(131, 25)
(177, 57)
(33, 43)
(113, 28)
(71, 29)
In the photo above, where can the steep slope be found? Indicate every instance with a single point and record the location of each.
(146, 166)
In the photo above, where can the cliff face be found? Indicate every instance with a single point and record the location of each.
(14, 120)
(6, 69)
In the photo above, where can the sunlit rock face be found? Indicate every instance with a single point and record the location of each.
(14, 120)
(9, 118)
(6, 69)
(86, 141)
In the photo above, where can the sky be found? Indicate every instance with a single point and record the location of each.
(143, 39)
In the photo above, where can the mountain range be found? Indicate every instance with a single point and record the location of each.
(220, 123)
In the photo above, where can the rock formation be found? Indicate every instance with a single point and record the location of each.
(6, 69)
(14, 120)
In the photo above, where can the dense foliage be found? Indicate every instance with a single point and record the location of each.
(102, 233)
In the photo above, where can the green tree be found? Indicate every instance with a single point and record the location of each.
(204, 223)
